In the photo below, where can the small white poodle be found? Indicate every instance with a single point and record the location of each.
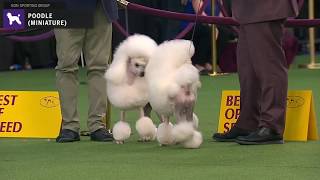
(173, 83)
(127, 87)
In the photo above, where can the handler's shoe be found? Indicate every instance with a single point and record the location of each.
(101, 135)
(231, 135)
(67, 135)
(261, 136)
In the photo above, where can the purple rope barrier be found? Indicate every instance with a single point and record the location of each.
(120, 28)
(33, 38)
(182, 34)
(223, 9)
(172, 15)
(212, 19)
(3, 30)
(226, 14)
(303, 23)
(182, 16)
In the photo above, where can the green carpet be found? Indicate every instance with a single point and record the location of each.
(32, 159)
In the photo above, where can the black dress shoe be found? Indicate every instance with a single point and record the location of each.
(261, 136)
(231, 135)
(101, 135)
(67, 135)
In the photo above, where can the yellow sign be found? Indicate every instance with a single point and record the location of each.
(301, 122)
(29, 114)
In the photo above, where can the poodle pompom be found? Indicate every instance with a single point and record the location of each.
(121, 131)
(164, 134)
(146, 129)
(195, 121)
(182, 131)
(194, 142)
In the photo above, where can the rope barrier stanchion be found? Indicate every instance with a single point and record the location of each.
(214, 42)
(108, 110)
(312, 48)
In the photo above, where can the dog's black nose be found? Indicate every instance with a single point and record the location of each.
(142, 74)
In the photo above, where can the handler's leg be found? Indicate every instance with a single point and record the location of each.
(69, 45)
(97, 51)
(271, 67)
(249, 85)
(249, 93)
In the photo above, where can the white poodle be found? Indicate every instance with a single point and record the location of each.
(173, 83)
(127, 87)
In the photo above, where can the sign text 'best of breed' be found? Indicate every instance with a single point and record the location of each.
(301, 122)
(30, 114)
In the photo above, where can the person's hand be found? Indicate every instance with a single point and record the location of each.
(184, 2)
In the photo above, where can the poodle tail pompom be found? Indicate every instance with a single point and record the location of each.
(121, 131)
(164, 134)
(194, 142)
(183, 131)
(146, 129)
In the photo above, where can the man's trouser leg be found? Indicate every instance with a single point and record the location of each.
(249, 86)
(97, 51)
(69, 45)
(270, 66)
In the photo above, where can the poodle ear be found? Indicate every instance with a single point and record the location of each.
(191, 49)
(116, 73)
(173, 90)
(198, 85)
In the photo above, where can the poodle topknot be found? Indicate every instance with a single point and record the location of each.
(126, 86)
(138, 46)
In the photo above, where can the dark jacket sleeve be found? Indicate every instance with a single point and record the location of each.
(111, 9)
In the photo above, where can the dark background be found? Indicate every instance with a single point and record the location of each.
(42, 54)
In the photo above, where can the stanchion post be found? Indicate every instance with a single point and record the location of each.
(108, 110)
(214, 44)
(108, 115)
(312, 47)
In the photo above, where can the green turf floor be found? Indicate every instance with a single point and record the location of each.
(30, 159)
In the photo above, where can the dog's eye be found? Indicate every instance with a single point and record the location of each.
(136, 64)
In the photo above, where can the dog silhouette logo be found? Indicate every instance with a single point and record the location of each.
(14, 19)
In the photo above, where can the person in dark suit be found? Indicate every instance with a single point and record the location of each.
(262, 71)
(95, 43)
